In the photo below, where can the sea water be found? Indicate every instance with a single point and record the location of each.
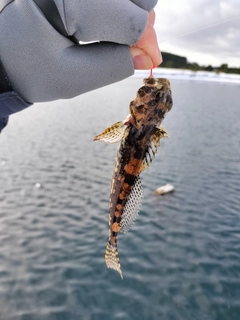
(180, 261)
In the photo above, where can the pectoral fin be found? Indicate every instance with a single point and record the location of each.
(152, 150)
(113, 134)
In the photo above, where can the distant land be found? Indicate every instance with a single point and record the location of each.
(174, 61)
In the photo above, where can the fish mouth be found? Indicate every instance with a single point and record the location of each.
(153, 81)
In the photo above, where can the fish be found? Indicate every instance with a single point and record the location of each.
(139, 137)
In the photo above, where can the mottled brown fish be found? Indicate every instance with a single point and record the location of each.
(140, 136)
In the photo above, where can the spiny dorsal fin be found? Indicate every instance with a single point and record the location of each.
(152, 150)
(112, 134)
(111, 258)
(132, 207)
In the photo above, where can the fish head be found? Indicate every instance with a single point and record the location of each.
(152, 102)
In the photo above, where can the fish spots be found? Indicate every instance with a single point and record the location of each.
(141, 92)
(132, 167)
(125, 191)
(117, 214)
(125, 186)
(141, 108)
(116, 227)
(120, 178)
(122, 195)
(118, 207)
(158, 95)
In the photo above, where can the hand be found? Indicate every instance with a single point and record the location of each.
(145, 52)
(43, 65)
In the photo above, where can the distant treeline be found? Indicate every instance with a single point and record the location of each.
(175, 61)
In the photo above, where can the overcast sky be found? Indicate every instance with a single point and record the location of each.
(214, 45)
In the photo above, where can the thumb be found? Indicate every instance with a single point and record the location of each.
(145, 52)
(140, 59)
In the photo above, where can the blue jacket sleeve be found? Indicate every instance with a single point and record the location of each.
(3, 123)
(10, 103)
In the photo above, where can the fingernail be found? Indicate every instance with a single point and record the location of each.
(142, 62)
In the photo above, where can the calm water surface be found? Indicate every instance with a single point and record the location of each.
(180, 261)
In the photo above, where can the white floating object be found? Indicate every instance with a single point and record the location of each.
(165, 189)
(3, 163)
(37, 185)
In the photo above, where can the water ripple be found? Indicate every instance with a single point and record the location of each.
(180, 260)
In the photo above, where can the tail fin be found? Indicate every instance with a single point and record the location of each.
(111, 258)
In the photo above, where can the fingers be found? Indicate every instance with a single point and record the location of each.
(146, 53)
(140, 59)
(115, 21)
(148, 43)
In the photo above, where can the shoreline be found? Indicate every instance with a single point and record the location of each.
(184, 74)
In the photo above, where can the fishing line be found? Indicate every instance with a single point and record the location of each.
(151, 72)
(199, 29)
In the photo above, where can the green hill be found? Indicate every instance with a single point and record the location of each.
(174, 61)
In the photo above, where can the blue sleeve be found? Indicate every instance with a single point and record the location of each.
(10, 103)
(3, 123)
